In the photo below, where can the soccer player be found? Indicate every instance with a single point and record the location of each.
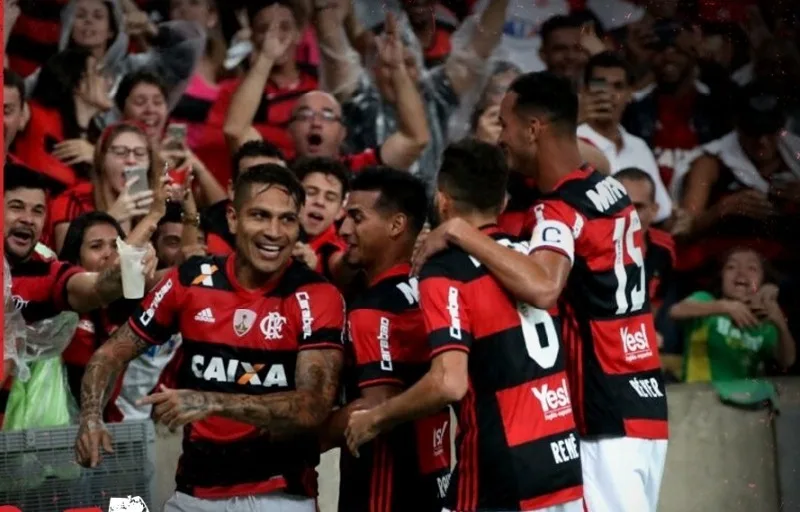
(408, 468)
(587, 244)
(262, 352)
(502, 366)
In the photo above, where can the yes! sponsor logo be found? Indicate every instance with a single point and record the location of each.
(439, 436)
(555, 402)
(635, 343)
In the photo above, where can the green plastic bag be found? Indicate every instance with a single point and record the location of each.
(43, 401)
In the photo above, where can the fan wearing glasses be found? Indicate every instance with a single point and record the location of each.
(121, 145)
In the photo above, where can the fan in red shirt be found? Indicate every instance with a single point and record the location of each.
(409, 467)
(501, 365)
(42, 286)
(282, 20)
(326, 182)
(262, 352)
(587, 245)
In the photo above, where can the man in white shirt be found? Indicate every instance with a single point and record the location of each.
(607, 91)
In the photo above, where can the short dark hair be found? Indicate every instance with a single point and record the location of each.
(606, 60)
(13, 80)
(636, 174)
(17, 176)
(475, 175)
(545, 93)
(268, 175)
(71, 250)
(557, 22)
(173, 214)
(131, 80)
(298, 11)
(399, 192)
(323, 165)
(254, 148)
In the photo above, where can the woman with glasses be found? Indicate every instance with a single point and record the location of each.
(121, 146)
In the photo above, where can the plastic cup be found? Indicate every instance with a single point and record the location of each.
(130, 260)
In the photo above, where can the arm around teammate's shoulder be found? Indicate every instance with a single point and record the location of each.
(536, 278)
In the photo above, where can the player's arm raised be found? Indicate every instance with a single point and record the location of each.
(447, 380)
(536, 278)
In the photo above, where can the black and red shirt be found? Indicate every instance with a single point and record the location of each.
(659, 263)
(614, 368)
(517, 445)
(326, 245)
(408, 467)
(242, 341)
(517, 219)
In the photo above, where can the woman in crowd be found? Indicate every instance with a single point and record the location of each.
(731, 333)
(90, 242)
(105, 28)
(121, 145)
(203, 88)
(64, 108)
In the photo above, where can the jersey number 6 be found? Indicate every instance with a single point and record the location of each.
(532, 320)
(624, 242)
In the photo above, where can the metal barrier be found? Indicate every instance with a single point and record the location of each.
(38, 472)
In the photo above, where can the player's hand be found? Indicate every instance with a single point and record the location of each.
(74, 151)
(92, 436)
(178, 407)
(304, 252)
(361, 429)
(434, 242)
(741, 313)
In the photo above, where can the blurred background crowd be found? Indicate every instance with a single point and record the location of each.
(693, 104)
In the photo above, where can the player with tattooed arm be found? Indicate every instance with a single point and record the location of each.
(262, 353)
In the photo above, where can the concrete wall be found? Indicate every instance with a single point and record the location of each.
(720, 458)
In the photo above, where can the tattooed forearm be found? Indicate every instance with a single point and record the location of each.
(109, 284)
(290, 413)
(103, 368)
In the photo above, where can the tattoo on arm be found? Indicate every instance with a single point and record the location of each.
(287, 414)
(102, 370)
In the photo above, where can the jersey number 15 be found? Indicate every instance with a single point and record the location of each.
(624, 242)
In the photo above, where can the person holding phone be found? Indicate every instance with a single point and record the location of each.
(606, 94)
(120, 183)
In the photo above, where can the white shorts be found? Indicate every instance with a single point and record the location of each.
(572, 506)
(273, 502)
(622, 474)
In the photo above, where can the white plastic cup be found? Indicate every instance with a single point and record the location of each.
(130, 261)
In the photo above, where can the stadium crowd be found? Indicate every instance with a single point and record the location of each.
(359, 213)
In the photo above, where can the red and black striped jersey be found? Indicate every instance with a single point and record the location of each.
(408, 467)
(613, 361)
(517, 445)
(245, 342)
(326, 245)
(659, 263)
(39, 286)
